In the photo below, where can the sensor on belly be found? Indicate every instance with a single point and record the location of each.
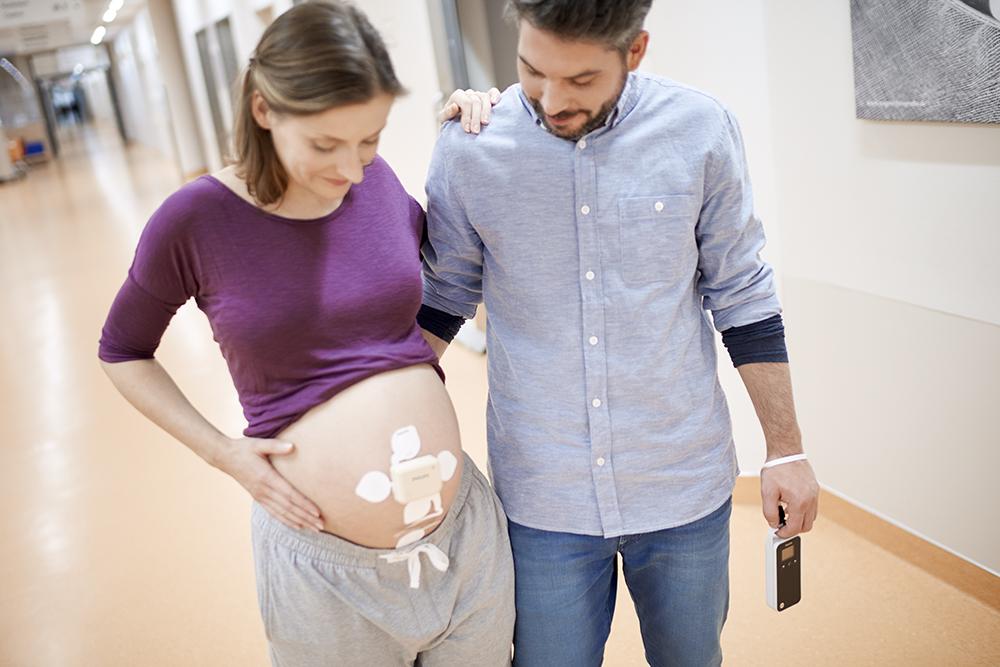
(415, 479)
(414, 482)
(783, 567)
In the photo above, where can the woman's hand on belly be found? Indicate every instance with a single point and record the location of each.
(247, 461)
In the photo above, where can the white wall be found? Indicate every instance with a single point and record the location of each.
(906, 211)
(141, 88)
(247, 26)
(890, 232)
(178, 98)
(95, 88)
(409, 137)
(883, 236)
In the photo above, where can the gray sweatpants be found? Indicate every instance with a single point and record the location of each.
(326, 601)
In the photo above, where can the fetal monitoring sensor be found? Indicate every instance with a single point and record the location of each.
(415, 479)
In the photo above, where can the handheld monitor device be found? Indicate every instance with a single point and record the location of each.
(783, 567)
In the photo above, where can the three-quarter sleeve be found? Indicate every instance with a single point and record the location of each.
(161, 279)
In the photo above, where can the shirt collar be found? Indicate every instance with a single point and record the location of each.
(626, 102)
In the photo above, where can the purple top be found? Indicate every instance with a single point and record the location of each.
(301, 309)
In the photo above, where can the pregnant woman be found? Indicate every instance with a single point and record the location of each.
(376, 540)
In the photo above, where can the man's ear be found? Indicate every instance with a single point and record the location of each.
(261, 112)
(637, 50)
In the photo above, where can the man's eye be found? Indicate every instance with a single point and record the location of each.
(322, 149)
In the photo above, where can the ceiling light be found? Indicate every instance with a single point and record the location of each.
(109, 16)
(98, 35)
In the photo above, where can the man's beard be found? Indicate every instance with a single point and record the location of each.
(594, 120)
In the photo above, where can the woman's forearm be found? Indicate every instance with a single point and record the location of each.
(149, 388)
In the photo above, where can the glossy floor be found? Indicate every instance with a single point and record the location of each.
(120, 547)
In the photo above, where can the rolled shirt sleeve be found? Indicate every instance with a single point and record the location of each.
(736, 285)
(453, 251)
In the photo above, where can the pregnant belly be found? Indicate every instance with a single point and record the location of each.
(344, 452)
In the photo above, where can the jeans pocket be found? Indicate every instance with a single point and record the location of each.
(657, 238)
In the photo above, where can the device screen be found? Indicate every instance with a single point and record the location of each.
(787, 553)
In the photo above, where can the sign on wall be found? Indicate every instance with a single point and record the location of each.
(15, 13)
(927, 59)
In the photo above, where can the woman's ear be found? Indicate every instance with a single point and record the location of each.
(261, 112)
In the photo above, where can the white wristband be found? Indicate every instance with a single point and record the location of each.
(784, 459)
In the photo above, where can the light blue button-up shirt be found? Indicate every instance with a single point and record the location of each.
(598, 261)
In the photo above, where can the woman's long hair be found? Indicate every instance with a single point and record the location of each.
(315, 56)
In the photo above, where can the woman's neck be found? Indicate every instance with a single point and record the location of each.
(297, 202)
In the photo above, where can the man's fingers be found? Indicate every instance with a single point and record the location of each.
(494, 94)
(769, 496)
(793, 524)
(810, 519)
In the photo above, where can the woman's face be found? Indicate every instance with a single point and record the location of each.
(325, 153)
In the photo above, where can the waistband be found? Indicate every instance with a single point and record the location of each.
(330, 548)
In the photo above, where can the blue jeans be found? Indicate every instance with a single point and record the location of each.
(565, 585)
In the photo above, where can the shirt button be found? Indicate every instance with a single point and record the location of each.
(600, 461)
(585, 210)
(593, 340)
(581, 144)
(590, 275)
(596, 402)
(658, 206)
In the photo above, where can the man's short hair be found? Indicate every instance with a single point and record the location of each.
(614, 23)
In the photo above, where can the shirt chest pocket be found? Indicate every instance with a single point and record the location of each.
(657, 238)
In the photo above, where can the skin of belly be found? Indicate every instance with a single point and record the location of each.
(338, 441)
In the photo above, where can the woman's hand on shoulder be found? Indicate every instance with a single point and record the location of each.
(247, 461)
(471, 106)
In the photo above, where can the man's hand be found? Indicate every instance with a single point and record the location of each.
(794, 486)
(473, 107)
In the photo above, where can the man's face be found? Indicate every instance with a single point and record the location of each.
(573, 85)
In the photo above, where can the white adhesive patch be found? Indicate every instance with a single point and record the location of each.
(410, 537)
(447, 464)
(405, 444)
(419, 482)
(417, 510)
(374, 487)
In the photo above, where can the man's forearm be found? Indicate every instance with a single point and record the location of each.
(770, 388)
